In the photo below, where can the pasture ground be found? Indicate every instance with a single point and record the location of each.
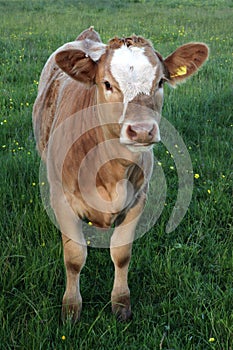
(181, 282)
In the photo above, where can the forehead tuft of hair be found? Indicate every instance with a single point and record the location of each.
(133, 40)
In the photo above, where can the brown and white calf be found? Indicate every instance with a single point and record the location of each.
(128, 75)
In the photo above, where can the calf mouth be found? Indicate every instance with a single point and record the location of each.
(142, 144)
(138, 147)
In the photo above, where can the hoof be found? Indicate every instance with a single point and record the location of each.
(71, 310)
(121, 308)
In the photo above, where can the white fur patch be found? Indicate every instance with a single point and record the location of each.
(133, 71)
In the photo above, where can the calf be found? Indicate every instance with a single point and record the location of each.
(99, 163)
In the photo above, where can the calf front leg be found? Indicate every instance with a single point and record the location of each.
(74, 258)
(121, 248)
(75, 252)
(120, 296)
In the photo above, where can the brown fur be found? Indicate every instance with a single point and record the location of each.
(133, 40)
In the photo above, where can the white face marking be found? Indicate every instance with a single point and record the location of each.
(123, 114)
(133, 71)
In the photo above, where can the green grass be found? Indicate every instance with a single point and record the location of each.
(181, 282)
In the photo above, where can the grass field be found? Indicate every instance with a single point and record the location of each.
(181, 282)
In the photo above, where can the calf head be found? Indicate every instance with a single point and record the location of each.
(131, 73)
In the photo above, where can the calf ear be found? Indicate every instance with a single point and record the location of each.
(185, 61)
(91, 34)
(79, 59)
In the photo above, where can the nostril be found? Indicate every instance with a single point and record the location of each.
(131, 132)
(152, 131)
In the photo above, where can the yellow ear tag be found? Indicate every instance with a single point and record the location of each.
(180, 71)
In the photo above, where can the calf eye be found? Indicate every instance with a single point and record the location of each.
(108, 86)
